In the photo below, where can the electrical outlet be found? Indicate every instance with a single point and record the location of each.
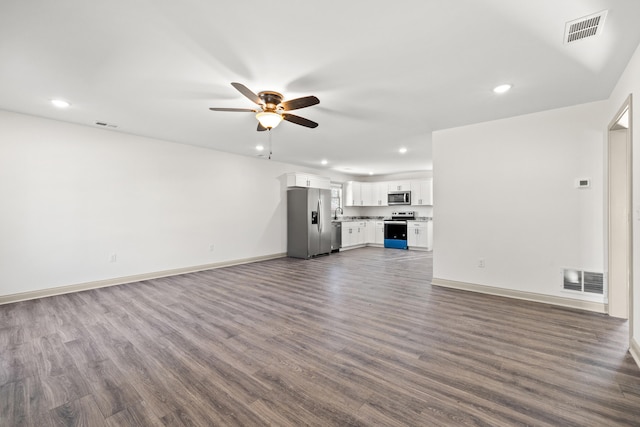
(113, 258)
(211, 247)
(480, 262)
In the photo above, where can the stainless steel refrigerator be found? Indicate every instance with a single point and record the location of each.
(308, 222)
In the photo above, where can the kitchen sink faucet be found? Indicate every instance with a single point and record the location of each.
(335, 214)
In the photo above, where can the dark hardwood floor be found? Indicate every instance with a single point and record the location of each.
(356, 338)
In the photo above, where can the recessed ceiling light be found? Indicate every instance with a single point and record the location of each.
(259, 147)
(60, 103)
(402, 150)
(502, 88)
(370, 173)
(324, 161)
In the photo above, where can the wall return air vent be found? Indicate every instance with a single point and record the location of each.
(585, 27)
(583, 281)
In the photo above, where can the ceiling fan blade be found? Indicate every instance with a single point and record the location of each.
(247, 92)
(294, 104)
(261, 128)
(239, 110)
(299, 120)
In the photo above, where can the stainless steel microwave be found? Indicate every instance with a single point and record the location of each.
(399, 198)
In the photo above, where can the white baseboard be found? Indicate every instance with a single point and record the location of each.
(41, 293)
(634, 349)
(528, 296)
(348, 248)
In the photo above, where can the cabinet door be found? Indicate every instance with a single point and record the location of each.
(346, 234)
(417, 234)
(362, 232)
(371, 232)
(422, 237)
(422, 192)
(380, 191)
(319, 182)
(412, 236)
(353, 193)
(366, 193)
(297, 179)
(379, 239)
(399, 185)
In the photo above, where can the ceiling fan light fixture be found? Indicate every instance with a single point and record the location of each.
(269, 119)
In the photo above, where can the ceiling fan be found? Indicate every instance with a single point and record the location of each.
(272, 108)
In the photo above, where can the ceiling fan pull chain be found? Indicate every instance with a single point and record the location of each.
(269, 144)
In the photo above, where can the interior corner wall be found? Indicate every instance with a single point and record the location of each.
(629, 84)
(74, 196)
(505, 192)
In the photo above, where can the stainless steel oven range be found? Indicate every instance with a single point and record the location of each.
(395, 229)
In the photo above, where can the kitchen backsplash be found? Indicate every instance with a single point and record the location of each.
(387, 210)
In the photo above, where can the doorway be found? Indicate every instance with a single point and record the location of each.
(619, 227)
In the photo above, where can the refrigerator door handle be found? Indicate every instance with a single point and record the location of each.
(320, 219)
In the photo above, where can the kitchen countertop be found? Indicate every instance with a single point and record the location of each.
(375, 218)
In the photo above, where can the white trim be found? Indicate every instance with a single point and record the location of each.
(634, 349)
(7, 299)
(528, 296)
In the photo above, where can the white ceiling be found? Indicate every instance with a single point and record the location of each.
(387, 73)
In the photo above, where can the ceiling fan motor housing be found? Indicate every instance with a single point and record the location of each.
(271, 100)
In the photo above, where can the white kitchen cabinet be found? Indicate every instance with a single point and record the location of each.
(370, 233)
(353, 233)
(366, 193)
(422, 192)
(347, 232)
(361, 234)
(379, 233)
(297, 179)
(418, 234)
(379, 191)
(353, 194)
(399, 186)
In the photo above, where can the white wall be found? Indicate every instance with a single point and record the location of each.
(505, 191)
(629, 83)
(74, 195)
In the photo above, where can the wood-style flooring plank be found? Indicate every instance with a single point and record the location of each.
(355, 338)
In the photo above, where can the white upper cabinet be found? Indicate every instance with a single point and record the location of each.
(422, 192)
(379, 193)
(366, 192)
(353, 193)
(399, 185)
(358, 193)
(296, 179)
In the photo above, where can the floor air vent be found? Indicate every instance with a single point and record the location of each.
(583, 281)
(582, 28)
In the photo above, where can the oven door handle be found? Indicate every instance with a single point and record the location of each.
(395, 222)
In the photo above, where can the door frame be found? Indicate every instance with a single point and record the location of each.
(613, 287)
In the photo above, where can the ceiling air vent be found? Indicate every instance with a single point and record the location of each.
(106, 125)
(585, 27)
